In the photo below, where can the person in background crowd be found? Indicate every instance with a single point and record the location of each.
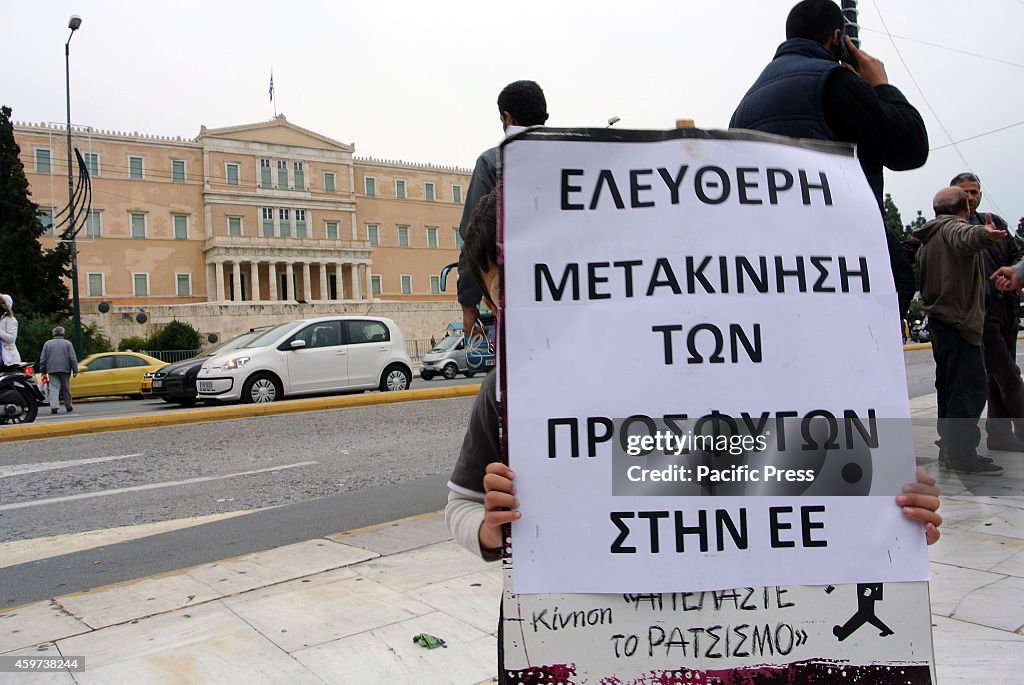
(60, 363)
(953, 290)
(9, 357)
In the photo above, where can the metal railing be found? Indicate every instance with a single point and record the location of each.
(171, 356)
(417, 348)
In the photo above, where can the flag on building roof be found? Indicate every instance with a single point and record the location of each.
(271, 85)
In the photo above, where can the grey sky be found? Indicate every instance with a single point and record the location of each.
(418, 81)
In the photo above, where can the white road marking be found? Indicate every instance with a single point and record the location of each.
(150, 486)
(22, 469)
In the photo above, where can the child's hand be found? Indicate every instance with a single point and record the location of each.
(499, 504)
(920, 502)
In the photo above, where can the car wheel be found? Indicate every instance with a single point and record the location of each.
(395, 378)
(426, 375)
(260, 389)
(450, 371)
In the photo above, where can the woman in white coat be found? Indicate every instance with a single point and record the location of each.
(8, 333)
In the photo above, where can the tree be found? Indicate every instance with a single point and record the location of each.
(1019, 235)
(893, 221)
(917, 223)
(175, 336)
(32, 276)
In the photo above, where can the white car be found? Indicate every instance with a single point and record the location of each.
(332, 353)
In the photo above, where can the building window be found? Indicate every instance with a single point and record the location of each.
(457, 194)
(407, 285)
(264, 173)
(300, 223)
(458, 237)
(268, 222)
(235, 226)
(95, 285)
(177, 171)
(138, 222)
(284, 217)
(92, 163)
(300, 176)
(435, 285)
(231, 170)
(46, 219)
(375, 285)
(180, 227)
(140, 283)
(332, 230)
(403, 236)
(93, 224)
(135, 169)
(329, 181)
(431, 236)
(428, 191)
(399, 189)
(371, 186)
(43, 165)
(282, 173)
(373, 234)
(184, 284)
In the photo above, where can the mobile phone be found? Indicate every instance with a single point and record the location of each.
(851, 30)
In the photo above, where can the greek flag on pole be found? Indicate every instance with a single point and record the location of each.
(271, 86)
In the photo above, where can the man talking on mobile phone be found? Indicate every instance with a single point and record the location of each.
(821, 86)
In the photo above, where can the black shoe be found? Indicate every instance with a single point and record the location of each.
(977, 467)
(944, 460)
(70, 409)
(53, 411)
(1008, 443)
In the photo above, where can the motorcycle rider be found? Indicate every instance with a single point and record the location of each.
(9, 357)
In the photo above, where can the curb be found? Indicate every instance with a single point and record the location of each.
(243, 411)
(927, 346)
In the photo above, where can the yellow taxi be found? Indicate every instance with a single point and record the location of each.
(112, 373)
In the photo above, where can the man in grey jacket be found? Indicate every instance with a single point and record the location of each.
(953, 289)
(59, 362)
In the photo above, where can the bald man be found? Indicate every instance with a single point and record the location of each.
(953, 288)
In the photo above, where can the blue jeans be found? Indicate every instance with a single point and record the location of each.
(60, 389)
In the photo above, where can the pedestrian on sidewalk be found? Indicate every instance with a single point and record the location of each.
(953, 289)
(1004, 426)
(59, 362)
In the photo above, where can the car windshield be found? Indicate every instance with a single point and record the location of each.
(447, 343)
(271, 335)
(235, 343)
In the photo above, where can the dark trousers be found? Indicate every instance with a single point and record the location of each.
(1005, 387)
(962, 389)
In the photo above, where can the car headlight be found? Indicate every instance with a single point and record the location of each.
(179, 372)
(148, 375)
(236, 363)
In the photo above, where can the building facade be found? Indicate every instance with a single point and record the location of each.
(244, 217)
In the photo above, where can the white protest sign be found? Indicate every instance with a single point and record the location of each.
(666, 289)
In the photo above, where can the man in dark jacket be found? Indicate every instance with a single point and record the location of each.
(1005, 423)
(520, 103)
(953, 287)
(59, 362)
(805, 92)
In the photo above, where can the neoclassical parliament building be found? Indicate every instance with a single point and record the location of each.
(251, 225)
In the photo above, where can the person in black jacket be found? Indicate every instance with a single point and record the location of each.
(1005, 423)
(806, 92)
(520, 103)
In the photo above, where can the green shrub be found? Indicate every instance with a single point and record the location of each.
(175, 336)
(33, 331)
(133, 343)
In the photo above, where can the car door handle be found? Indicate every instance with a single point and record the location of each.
(340, 353)
(383, 348)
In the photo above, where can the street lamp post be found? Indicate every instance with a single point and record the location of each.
(76, 311)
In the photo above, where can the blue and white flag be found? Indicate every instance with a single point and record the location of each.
(271, 86)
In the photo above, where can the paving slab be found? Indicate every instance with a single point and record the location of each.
(398, 536)
(29, 625)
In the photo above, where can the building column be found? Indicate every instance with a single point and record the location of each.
(324, 295)
(340, 294)
(369, 281)
(236, 278)
(219, 278)
(272, 276)
(357, 289)
(307, 290)
(254, 280)
(289, 278)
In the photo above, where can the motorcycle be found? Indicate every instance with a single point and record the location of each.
(20, 397)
